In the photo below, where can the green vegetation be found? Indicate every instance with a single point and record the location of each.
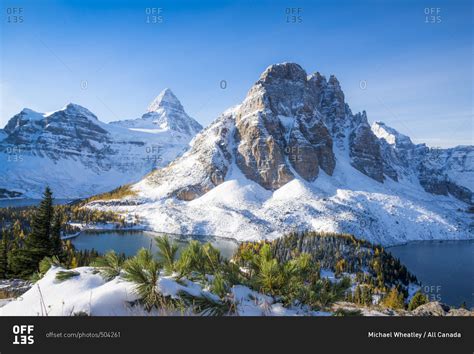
(394, 299)
(117, 193)
(417, 300)
(143, 270)
(63, 275)
(294, 282)
(167, 253)
(19, 220)
(204, 305)
(32, 235)
(43, 241)
(109, 265)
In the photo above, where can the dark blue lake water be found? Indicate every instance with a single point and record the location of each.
(4, 203)
(130, 242)
(445, 268)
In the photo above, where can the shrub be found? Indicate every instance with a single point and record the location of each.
(167, 251)
(417, 300)
(110, 265)
(143, 271)
(206, 306)
(394, 299)
(63, 275)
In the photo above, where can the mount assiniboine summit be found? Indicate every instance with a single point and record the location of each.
(77, 155)
(292, 156)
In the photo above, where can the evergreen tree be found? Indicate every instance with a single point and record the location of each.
(56, 243)
(394, 299)
(17, 231)
(39, 238)
(37, 245)
(4, 246)
(367, 296)
(357, 295)
(418, 299)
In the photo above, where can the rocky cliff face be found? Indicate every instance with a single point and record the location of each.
(365, 150)
(77, 155)
(439, 171)
(71, 132)
(279, 129)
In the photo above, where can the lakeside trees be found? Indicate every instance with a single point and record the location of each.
(44, 240)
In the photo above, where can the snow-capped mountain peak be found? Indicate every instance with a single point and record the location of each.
(165, 100)
(165, 113)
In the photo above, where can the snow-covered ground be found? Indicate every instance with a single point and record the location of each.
(88, 293)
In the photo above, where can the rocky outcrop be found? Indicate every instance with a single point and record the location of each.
(332, 105)
(435, 183)
(364, 150)
(279, 128)
(436, 308)
(200, 169)
(11, 288)
(430, 309)
(439, 171)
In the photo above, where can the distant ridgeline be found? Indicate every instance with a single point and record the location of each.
(341, 253)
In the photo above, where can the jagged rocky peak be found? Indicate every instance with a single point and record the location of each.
(167, 112)
(165, 100)
(278, 129)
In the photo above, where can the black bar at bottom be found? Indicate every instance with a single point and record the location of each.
(242, 335)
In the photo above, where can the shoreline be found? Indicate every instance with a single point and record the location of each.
(143, 228)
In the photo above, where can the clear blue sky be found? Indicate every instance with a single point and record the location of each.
(418, 76)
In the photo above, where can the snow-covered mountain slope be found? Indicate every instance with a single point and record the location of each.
(77, 155)
(292, 156)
